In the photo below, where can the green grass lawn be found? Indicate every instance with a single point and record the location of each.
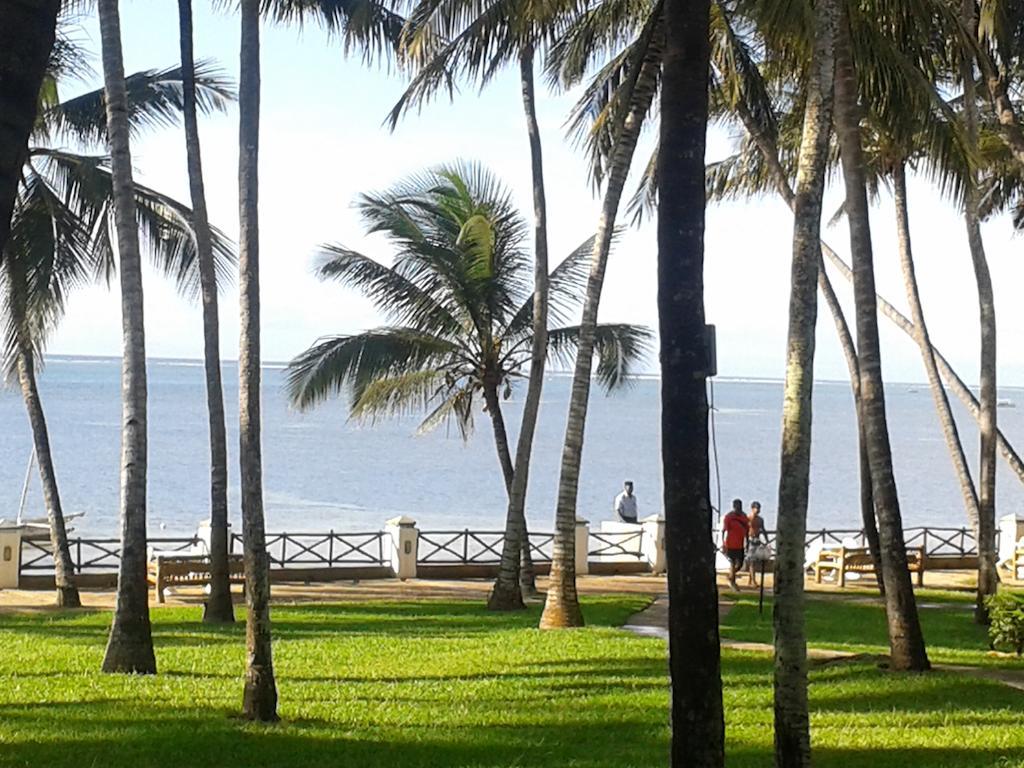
(448, 684)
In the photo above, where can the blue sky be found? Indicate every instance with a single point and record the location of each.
(323, 143)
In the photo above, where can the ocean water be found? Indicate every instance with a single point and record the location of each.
(322, 471)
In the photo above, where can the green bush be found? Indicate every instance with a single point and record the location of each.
(1006, 613)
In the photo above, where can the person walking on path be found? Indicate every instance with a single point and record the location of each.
(735, 528)
(757, 541)
(625, 504)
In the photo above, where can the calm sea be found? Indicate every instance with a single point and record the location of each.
(322, 472)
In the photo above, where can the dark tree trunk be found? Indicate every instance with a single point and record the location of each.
(515, 555)
(698, 728)
(988, 580)
(218, 607)
(769, 150)
(561, 607)
(63, 566)
(867, 496)
(924, 343)
(26, 39)
(260, 696)
(792, 721)
(130, 648)
(906, 640)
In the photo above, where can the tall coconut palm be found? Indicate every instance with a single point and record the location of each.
(61, 238)
(621, 111)
(987, 577)
(26, 39)
(906, 639)
(444, 39)
(260, 694)
(698, 729)
(792, 723)
(219, 608)
(130, 648)
(460, 300)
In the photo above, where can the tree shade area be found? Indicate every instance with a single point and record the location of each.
(436, 683)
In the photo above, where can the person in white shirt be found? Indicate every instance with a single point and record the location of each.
(625, 503)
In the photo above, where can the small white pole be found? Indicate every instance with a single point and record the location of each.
(24, 487)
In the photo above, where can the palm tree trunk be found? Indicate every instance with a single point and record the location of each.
(867, 495)
(500, 433)
(998, 86)
(987, 577)
(562, 608)
(26, 39)
(906, 641)
(952, 379)
(792, 721)
(698, 728)
(130, 648)
(515, 576)
(769, 150)
(950, 376)
(921, 336)
(63, 566)
(218, 606)
(259, 701)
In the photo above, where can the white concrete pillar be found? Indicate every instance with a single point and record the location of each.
(582, 546)
(404, 544)
(1011, 529)
(652, 543)
(10, 557)
(203, 534)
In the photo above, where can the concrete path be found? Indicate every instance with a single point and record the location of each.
(653, 622)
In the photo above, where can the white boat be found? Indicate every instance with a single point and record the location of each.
(1005, 402)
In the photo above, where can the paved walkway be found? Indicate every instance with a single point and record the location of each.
(653, 622)
(19, 600)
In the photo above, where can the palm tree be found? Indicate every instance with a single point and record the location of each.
(61, 237)
(219, 608)
(260, 695)
(611, 114)
(698, 728)
(27, 36)
(792, 724)
(130, 648)
(987, 577)
(905, 637)
(459, 297)
(435, 44)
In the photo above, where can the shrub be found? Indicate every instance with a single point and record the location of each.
(1006, 613)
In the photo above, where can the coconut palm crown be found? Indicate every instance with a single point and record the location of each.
(459, 297)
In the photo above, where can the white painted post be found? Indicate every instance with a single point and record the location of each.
(582, 546)
(203, 534)
(652, 543)
(1011, 529)
(404, 544)
(10, 557)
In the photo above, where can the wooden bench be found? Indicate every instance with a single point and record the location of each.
(189, 570)
(1017, 563)
(858, 560)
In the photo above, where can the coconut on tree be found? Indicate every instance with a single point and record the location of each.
(459, 296)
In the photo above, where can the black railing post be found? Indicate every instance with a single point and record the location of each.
(330, 549)
(465, 548)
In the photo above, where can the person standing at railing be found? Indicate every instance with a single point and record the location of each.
(735, 528)
(625, 504)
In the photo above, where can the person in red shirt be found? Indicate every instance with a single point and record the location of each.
(735, 527)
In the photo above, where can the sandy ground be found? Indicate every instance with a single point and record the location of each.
(435, 589)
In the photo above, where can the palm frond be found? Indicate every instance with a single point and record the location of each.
(618, 347)
(154, 100)
(367, 25)
(339, 363)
